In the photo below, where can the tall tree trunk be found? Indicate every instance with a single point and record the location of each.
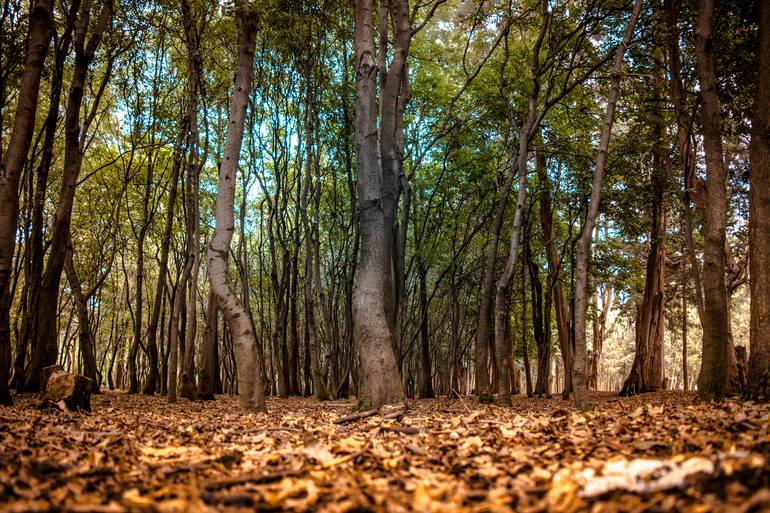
(525, 132)
(250, 387)
(758, 383)
(580, 385)
(380, 379)
(46, 350)
(394, 93)
(713, 376)
(312, 257)
(555, 285)
(192, 32)
(15, 157)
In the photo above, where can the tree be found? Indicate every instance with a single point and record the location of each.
(758, 384)
(250, 386)
(579, 377)
(381, 382)
(14, 159)
(713, 377)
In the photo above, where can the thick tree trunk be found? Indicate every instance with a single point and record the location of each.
(713, 377)
(758, 383)
(250, 387)
(582, 401)
(15, 157)
(46, 350)
(380, 379)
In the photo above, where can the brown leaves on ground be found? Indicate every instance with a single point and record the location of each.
(655, 452)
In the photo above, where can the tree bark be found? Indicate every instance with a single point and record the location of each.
(580, 385)
(380, 379)
(14, 160)
(758, 383)
(713, 377)
(250, 385)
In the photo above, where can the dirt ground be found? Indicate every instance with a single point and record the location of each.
(654, 452)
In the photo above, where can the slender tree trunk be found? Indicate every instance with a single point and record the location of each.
(524, 338)
(758, 383)
(312, 257)
(685, 369)
(188, 387)
(46, 350)
(14, 160)
(210, 361)
(713, 377)
(85, 336)
(580, 385)
(153, 363)
(380, 379)
(541, 324)
(686, 150)
(426, 371)
(555, 284)
(251, 389)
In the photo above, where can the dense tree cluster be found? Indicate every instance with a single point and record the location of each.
(390, 199)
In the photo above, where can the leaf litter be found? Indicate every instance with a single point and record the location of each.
(654, 452)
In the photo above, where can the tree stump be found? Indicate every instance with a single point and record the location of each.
(65, 390)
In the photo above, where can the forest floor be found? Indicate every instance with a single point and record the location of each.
(654, 452)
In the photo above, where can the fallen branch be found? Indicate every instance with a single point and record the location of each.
(356, 416)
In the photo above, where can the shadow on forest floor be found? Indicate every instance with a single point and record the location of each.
(652, 452)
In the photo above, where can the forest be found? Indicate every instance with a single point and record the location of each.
(385, 255)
